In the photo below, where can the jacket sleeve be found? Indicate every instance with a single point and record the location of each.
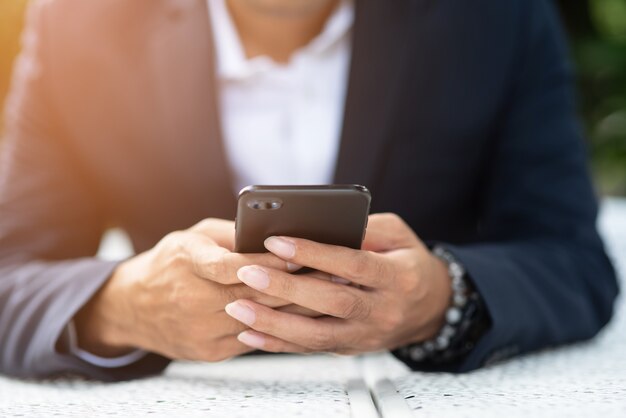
(51, 221)
(539, 265)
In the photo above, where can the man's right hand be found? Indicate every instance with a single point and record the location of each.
(170, 300)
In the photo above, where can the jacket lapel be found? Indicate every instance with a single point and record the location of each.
(184, 76)
(182, 58)
(381, 39)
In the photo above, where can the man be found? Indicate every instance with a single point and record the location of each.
(149, 115)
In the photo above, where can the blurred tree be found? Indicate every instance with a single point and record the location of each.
(610, 16)
(597, 29)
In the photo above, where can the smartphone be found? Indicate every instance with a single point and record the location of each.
(332, 214)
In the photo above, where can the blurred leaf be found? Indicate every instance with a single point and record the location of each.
(609, 17)
(600, 54)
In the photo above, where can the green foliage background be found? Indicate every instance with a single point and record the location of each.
(597, 29)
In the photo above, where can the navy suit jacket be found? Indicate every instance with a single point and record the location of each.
(459, 117)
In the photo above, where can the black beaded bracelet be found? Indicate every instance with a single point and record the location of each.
(462, 316)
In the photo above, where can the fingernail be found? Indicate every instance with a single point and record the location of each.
(254, 277)
(291, 267)
(340, 280)
(252, 340)
(241, 313)
(281, 247)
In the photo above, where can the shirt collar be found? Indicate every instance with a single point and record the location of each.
(232, 62)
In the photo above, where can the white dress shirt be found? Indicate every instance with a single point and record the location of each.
(281, 123)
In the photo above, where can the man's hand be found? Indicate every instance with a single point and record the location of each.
(170, 300)
(399, 294)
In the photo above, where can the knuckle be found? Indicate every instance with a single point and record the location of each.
(173, 237)
(178, 295)
(323, 341)
(384, 272)
(287, 287)
(214, 265)
(205, 224)
(393, 219)
(350, 306)
(391, 321)
(212, 268)
(359, 264)
(174, 243)
(365, 264)
(224, 266)
(178, 259)
(176, 240)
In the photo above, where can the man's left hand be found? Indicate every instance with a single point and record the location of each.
(391, 293)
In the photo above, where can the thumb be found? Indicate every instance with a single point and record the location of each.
(387, 232)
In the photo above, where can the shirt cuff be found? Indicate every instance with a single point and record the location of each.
(71, 345)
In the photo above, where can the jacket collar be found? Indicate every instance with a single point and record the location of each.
(381, 39)
(184, 54)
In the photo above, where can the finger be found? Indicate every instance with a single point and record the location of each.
(222, 349)
(329, 277)
(387, 231)
(298, 310)
(268, 343)
(362, 267)
(318, 275)
(223, 325)
(323, 296)
(219, 230)
(233, 292)
(219, 349)
(314, 334)
(220, 265)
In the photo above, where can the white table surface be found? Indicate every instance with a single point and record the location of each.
(582, 380)
(275, 386)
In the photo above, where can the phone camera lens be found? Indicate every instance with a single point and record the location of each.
(265, 204)
(255, 204)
